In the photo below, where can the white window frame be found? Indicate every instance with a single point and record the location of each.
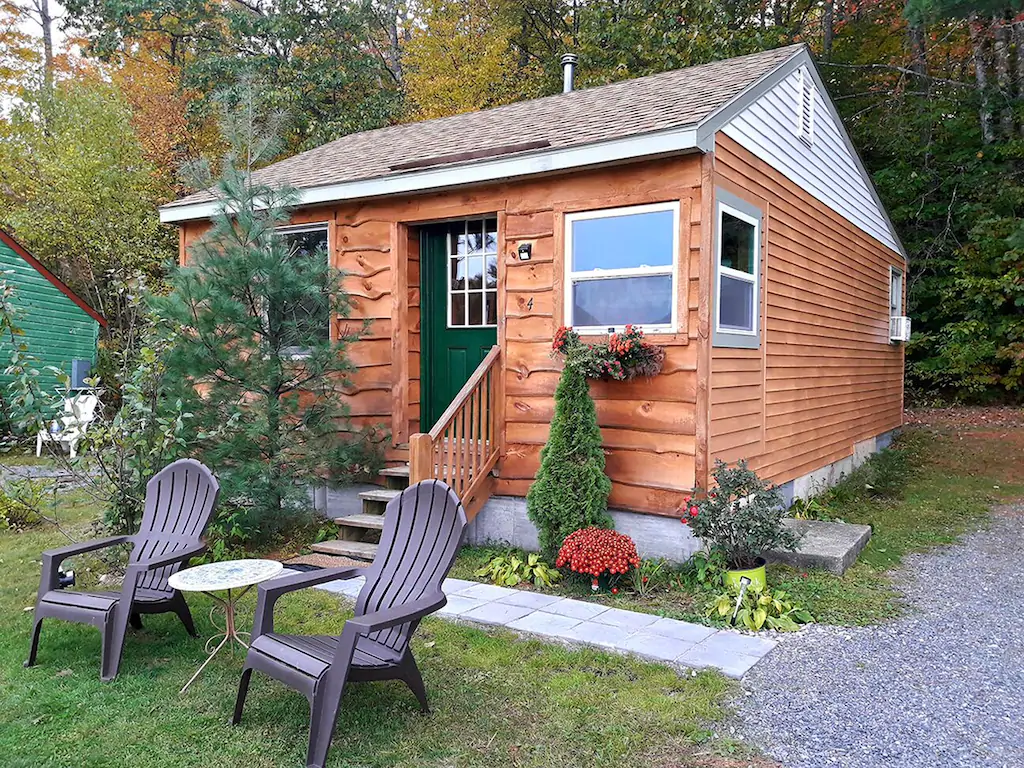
(895, 301)
(731, 337)
(484, 290)
(299, 353)
(572, 277)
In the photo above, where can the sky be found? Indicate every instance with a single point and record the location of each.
(32, 28)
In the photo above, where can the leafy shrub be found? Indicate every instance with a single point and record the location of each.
(27, 401)
(571, 490)
(741, 518)
(705, 569)
(148, 431)
(759, 608)
(625, 356)
(21, 504)
(888, 473)
(597, 553)
(812, 508)
(509, 570)
(884, 475)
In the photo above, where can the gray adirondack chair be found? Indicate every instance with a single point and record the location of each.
(422, 530)
(179, 501)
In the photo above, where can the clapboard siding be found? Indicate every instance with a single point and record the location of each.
(826, 169)
(825, 376)
(649, 426)
(57, 330)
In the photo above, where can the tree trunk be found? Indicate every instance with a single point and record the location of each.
(1002, 59)
(394, 56)
(828, 31)
(981, 77)
(918, 52)
(46, 22)
(1018, 44)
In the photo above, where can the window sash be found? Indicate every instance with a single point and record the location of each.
(488, 295)
(895, 292)
(572, 277)
(298, 352)
(747, 277)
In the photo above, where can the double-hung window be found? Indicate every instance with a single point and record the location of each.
(621, 268)
(306, 319)
(737, 271)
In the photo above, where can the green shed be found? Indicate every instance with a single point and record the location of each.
(59, 326)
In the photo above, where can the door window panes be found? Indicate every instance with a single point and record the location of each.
(473, 273)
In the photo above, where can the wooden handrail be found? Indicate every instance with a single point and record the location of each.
(465, 444)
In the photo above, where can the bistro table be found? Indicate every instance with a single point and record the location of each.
(235, 578)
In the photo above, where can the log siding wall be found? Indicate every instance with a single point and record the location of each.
(825, 376)
(649, 427)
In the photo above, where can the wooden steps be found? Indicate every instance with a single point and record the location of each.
(364, 520)
(357, 550)
(358, 535)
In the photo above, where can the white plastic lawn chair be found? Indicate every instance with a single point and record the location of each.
(69, 429)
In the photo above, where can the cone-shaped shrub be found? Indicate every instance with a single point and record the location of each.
(571, 489)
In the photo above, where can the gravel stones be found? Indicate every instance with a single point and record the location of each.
(942, 687)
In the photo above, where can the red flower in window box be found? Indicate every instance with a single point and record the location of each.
(623, 357)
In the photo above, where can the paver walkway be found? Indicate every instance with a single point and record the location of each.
(577, 621)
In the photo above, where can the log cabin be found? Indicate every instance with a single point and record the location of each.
(722, 208)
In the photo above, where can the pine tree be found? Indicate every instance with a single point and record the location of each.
(571, 490)
(259, 373)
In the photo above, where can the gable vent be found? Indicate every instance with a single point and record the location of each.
(805, 109)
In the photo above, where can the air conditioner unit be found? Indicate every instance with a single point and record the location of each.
(899, 329)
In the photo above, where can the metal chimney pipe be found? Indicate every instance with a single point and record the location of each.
(568, 71)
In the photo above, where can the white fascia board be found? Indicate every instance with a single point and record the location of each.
(547, 161)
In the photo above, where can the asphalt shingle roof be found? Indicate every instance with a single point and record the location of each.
(668, 100)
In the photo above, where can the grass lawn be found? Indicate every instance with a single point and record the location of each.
(497, 700)
(944, 476)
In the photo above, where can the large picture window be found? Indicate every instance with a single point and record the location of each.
(621, 268)
(737, 270)
(308, 319)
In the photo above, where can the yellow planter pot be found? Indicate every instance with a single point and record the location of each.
(756, 576)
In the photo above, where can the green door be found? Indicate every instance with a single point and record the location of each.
(459, 305)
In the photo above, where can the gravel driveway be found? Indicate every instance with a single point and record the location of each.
(943, 686)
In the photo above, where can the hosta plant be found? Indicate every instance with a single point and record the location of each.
(598, 553)
(510, 569)
(759, 608)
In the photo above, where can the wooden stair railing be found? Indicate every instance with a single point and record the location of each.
(465, 444)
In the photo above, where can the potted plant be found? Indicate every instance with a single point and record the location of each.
(741, 519)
